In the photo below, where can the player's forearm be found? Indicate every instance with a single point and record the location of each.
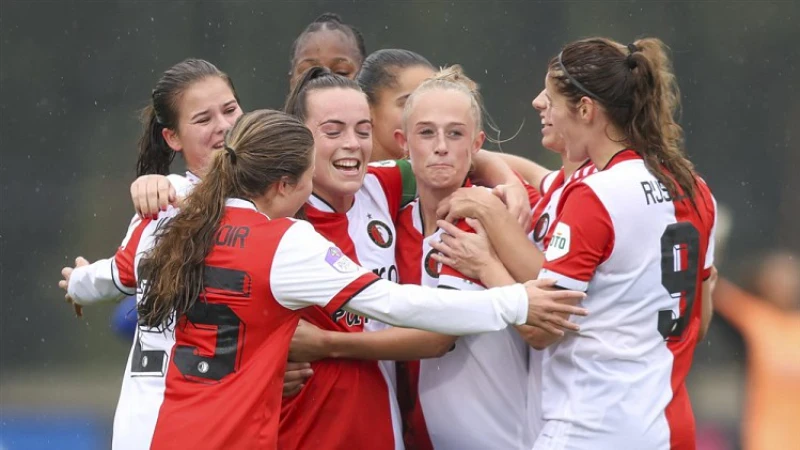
(517, 253)
(396, 344)
(491, 170)
(494, 274)
(442, 310)
(530, 171)
(94, 284)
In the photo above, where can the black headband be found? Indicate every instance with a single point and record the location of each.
(575, 82)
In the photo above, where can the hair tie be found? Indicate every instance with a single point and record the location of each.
(630, 60)
(230, 152)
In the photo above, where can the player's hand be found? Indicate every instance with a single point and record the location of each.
(151, 194)
(517, 202)
(295, 377)
(468, 253)
(550, 309)
(66, 273)
(307, 343)
(469, 202)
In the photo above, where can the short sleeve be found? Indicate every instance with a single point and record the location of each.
(398, 182)
(309, 270)
(582, 239)
(123, 266)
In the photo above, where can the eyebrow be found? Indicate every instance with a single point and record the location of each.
(450, 124)
(205, 111)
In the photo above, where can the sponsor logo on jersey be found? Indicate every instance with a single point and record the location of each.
(541, 227)
(559, 243)
(380, 234)
(340, 261)
(431, 265)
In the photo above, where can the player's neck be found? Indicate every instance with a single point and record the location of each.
(602, 152)
(339, 203)
(569, 166)
(429, 199)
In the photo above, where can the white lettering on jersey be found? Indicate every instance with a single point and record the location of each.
(559, 243)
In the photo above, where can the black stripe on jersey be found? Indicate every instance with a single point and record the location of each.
(231, 281)
(614, 157)
(356, 293)
(323, 201)
(118, 284)
(444, 286)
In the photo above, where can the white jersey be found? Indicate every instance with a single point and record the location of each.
(475, 396)
(641, 257)
(543, 216)
(112, 279)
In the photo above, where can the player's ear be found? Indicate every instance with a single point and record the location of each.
(402, 141)
(172, 139)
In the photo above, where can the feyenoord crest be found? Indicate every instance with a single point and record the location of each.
(431, 265)
(540, 229)
(380, 234)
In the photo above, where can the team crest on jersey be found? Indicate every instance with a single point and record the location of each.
(559, 243)
(431, 265)
(380, 233)
(340, 261)
(541, 227)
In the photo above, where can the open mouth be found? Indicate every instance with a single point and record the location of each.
(347, 165)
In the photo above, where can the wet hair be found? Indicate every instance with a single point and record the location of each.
(315, 78)
(379, 70)
(264, 147)
(155, 155)
(636, 86)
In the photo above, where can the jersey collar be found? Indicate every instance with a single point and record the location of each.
(621, 156)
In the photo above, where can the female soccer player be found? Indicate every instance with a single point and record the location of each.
(441, 123)
(388, 77)
(638, 236)
(327, 42)
(229, 271)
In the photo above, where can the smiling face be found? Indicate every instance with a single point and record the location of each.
(550, 140)
(340, 122)
(566, 125)
(441, 135)
(206, 111)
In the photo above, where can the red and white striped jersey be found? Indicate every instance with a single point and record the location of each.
(474, 397)
(220, 386)
(641, 256)
(352, 388)
(543, 216)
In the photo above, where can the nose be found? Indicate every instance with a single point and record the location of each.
(351, 141)
(540, 102)
(441, 144)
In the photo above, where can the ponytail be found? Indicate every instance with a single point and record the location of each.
(155, 156)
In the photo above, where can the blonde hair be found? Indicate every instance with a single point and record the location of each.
(449, 78)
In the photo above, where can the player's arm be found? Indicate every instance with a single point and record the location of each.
(152, 194)
(331, 280)
(582, 239)
(108, 279)
(396, 344)
(530, 171)
(517, 253)
(492, 171)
